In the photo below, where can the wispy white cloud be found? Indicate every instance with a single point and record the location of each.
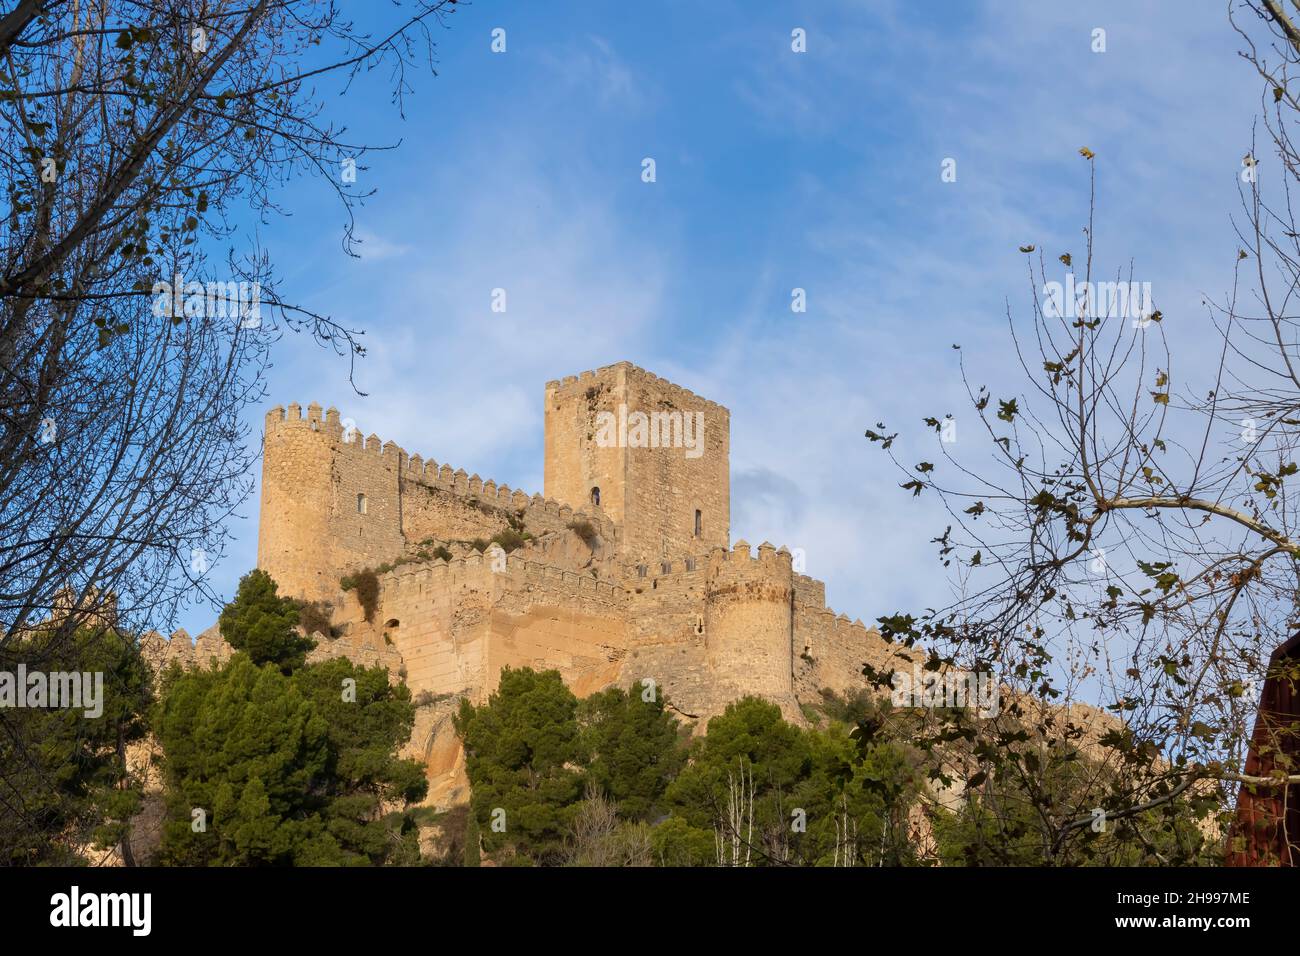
(373, 247)
(590, 68)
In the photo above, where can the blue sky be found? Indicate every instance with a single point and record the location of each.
(775, 170)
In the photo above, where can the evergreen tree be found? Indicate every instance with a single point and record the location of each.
(364, 774)
(818, 796)
(270, 760)
(523, 756)
(64, 771)
(633, 748)
(297, 769)
(264, 625)
(244, 751)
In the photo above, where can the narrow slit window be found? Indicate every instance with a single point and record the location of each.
(361, 504)
(699, 523)
(595, 496)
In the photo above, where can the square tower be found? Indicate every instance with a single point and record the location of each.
(653, 456)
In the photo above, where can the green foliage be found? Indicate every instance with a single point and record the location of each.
(750, 732)
(810, 789)
(1015, 820)
(533, 749)
(243, 746)
(264, 625)
(514, 536)
(677, 843)
(365, 733)
(423, 553)
(522, 753)
(510, 539)
(64, 772)
(287, 770)
(837, 794)
(632, 749)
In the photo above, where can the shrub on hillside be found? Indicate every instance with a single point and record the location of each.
(366, 583)
(314, 618)
(586, 531)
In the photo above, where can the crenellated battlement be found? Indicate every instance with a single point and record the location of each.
(679, 395)
(489, 572)
(160, 653)
(653, 455)
(427, 471)
(739, 559)
(767, 554)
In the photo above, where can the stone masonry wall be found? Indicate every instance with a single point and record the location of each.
(334, 501)
(666, 486)
(749, 629)
(328, 505)
(651, 493)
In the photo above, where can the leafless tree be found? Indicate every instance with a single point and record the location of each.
(846, 836)
(1132, 534)
(734, 830)
(600, 839)
(136, 136)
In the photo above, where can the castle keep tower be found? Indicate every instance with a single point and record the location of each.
(651, 455)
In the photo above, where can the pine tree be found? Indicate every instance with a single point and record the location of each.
(523, 757)
(264, 625)
(632, 747)
(288, 762)
(65, 772)
(472, 842)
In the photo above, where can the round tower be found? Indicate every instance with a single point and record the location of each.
(331, 501)
(749, 621)
(293, 531)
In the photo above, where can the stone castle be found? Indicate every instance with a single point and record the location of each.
(623, 572)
